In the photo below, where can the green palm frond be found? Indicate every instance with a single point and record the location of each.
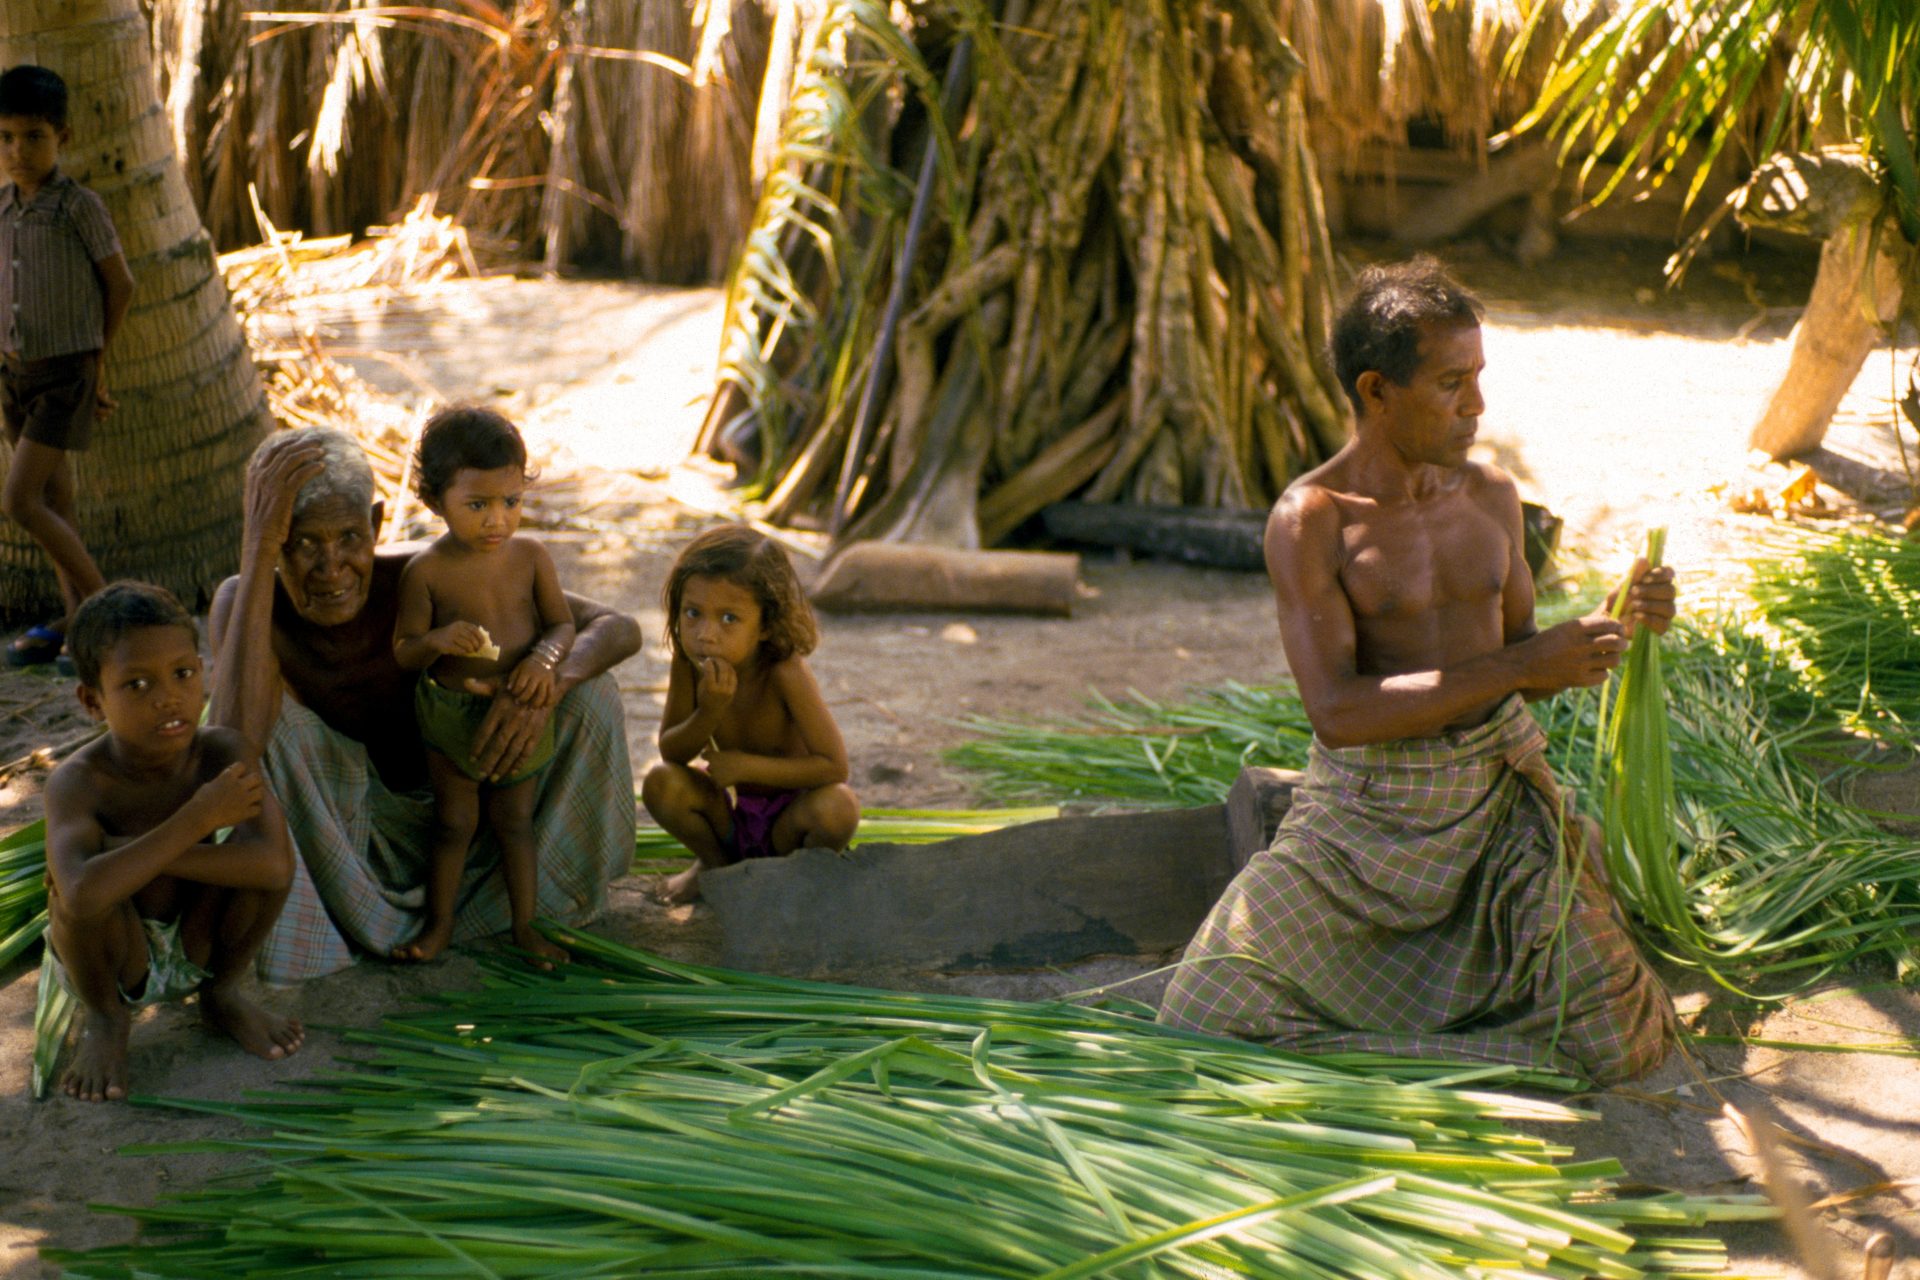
(1653, 84)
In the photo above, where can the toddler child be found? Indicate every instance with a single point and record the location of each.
(752, 764)
(478, 602)
(144, 902)
(64, 288)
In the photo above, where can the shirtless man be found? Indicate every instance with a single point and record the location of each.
(303, 642)
(1413, 899)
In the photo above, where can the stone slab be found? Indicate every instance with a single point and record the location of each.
(1042, 894)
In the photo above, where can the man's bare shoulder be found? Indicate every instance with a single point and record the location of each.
(1303, 532)
(1489, 476)
(1490, 486)
(1308, 506)
(1329, 479)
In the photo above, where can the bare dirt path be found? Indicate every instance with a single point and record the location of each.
(1617, 405)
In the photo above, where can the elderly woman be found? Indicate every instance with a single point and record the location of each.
(303, 650)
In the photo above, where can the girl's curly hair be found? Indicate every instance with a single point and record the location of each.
(465, 435)
(752, 561)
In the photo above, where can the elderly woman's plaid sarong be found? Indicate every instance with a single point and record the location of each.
(359, 883)
(1416, 901)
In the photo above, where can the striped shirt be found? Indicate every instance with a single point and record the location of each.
(51, 302)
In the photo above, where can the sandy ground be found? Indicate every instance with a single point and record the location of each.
(1617, 405)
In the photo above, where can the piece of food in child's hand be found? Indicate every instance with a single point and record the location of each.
(488, 649)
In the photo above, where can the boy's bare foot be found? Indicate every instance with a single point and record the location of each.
(261, 1032)
(99, 1069)
(545, 954)
(426, 945)
(680, 888)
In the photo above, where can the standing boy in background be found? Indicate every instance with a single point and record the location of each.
(64, 288)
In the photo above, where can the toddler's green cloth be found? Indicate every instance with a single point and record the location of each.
(449, 719)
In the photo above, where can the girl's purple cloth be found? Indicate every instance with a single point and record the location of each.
(754, 813)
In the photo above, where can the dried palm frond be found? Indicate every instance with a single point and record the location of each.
(1123, 288)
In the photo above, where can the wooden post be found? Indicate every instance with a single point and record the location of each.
(1832, 196)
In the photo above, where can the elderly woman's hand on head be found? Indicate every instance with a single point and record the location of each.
(279, 467)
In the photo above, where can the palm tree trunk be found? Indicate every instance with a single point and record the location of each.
(159, 492)
(1856, 292)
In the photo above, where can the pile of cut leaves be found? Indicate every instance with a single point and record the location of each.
(628, 1115)
(23, 889)
(1843, 609)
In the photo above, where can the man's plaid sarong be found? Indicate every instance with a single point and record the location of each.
(359, 885)
(1415, 902)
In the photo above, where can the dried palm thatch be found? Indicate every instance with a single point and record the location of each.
(1121, 289)
(1371, 69)
(601, 134)
(1428, 90)
(288, 289)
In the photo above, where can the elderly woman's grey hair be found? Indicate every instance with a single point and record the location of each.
(344, 472)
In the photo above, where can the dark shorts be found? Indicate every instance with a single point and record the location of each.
(754, 813)
(51, 401)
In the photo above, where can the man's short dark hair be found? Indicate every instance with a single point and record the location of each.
(112, 612)
(34, 92)
(1379, 327)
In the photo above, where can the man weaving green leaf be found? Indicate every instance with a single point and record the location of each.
(1428, 893)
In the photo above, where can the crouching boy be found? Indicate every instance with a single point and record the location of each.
(147, 902)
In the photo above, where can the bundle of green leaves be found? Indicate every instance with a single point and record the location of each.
(656, 850)
(1844, 609)
(23, 890)
(628, 1115)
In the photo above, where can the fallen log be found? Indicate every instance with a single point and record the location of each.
(869, 576)
(1193, 535)
(1223, 539)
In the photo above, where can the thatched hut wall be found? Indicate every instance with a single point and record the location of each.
(620, 134)
(615, 134)
(1403, 98)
